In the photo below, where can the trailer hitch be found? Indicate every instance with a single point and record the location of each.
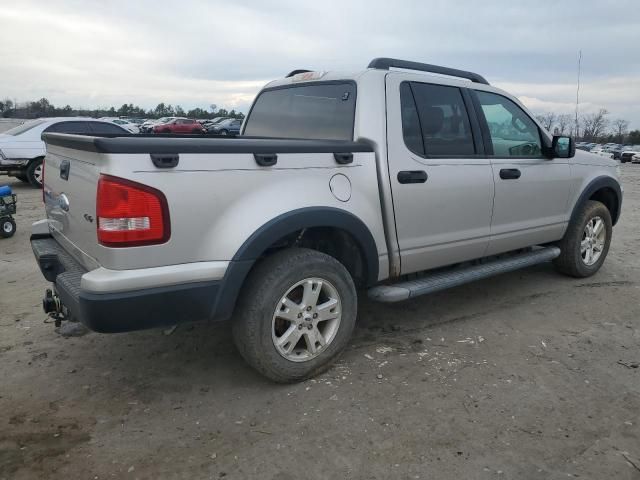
(53, 307)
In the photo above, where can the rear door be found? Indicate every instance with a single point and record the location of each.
(186, 126)
(532, 191)
(235, 126)
(441, 182)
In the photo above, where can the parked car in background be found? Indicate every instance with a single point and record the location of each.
(230, 126)
(601, 150)
(179, 125)
(628, 152)
(137, 121)
(147, 127)
(635, 158)
(127, 125)
(22, 149)
(216, 121)
(616, 151)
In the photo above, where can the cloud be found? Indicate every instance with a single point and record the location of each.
(197, 52)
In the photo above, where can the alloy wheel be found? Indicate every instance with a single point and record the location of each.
(306, 319)
(593, 240)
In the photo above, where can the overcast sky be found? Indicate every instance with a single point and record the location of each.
(198, 52)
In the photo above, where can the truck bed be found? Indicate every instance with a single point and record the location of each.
(218, 193)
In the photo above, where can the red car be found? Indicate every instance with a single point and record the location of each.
(179, 125)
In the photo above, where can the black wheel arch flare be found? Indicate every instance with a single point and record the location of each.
(594, 186)
(278, 228)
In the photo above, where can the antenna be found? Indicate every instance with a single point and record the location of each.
(578, 91)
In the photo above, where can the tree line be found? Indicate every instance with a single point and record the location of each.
(44, 108)
(592, 127)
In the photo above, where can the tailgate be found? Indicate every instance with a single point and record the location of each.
(70, 183)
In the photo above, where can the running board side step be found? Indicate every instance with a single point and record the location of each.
(442, 280)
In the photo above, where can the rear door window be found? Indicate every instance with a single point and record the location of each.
(410, 122)
(77, 128)
(316, 111)
(104, 128)
(443, 122)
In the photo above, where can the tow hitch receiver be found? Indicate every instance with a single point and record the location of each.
(53, 307)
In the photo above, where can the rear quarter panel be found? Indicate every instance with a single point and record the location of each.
(216, 201)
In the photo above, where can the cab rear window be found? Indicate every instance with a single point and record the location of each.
(321, 111)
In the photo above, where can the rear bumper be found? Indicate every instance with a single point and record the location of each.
(142, 308)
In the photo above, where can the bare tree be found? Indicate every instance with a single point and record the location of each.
(547, 119)
(620, 128)
(594, 125)
(562, 122)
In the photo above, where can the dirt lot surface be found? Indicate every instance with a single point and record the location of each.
(529, 375)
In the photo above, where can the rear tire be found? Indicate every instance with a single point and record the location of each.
(223, 132)
(34, 173)
(585, 244)
(295, 314)
(7, 227)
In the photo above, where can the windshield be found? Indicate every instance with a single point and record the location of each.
(20, 129)
(317, 111)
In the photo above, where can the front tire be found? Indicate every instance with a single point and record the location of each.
(35, 173)
(295, 314)
(586, 242)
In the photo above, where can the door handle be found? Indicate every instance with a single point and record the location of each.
(65, 166)
(412, 176)
(510, 174)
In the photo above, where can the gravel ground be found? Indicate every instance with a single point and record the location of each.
(529, 375)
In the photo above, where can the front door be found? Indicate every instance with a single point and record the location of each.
(442, 184)
(532, 191)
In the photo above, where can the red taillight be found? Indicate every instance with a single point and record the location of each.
(130, 214)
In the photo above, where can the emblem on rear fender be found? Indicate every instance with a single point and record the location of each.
(88, 218)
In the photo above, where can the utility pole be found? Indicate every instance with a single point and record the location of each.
(578, 91)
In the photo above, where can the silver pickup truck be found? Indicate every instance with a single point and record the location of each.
(391, 181)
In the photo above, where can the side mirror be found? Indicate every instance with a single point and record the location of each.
(563, 147)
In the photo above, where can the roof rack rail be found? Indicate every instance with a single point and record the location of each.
(295, 72)
(384, 63)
